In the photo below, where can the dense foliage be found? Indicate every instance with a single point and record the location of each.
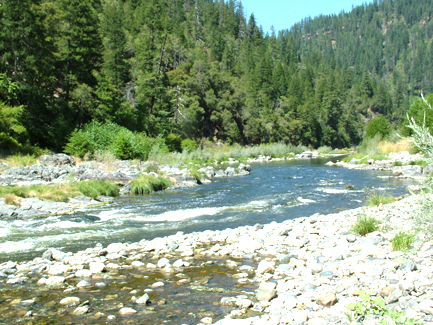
(201, 69)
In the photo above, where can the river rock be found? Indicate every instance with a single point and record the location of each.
(266, 294)
(58, 269)
(83, 284)
(115, 247)
(266, 267)
(144, 299)
(163, 262)
(81, 310)
(83, 273)
(327, 300)
(127, 311)
(408, 266)
(70, 301)
(55, 281)
(56, 160)
(97, 267)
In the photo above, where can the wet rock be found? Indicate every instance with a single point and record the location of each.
(83, 284)
(70, 301)
(158, 284)
(81, 310)
(55, 281)
(127, 311)
(144, 299)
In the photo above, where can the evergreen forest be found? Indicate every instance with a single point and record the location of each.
(202, 69)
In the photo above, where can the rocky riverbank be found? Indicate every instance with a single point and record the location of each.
(61, 168)
(303, 271)
(401, 164)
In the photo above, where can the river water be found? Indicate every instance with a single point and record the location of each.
(274, 191)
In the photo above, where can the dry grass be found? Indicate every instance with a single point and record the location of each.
(12, 199)
(400, 146)
(20, 160)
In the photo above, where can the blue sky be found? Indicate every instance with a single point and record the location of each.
(285, 13)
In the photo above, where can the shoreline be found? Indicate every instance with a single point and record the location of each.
(297, 265)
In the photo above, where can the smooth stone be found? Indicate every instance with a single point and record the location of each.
(81, 310)
(70, 301)
(144, 299)
(327, 300)
(127, 311)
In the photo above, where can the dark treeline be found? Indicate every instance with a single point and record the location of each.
(200, 68)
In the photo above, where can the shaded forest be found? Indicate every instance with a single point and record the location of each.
(201, 69)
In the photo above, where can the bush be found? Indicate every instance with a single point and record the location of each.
(188, 145)
(147, 184)
(377, 198)
(98, 137)
(173, 142)
(324, 150)
(365, 225)
(378, 126)
(402, 241)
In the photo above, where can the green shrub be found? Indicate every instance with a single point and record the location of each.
(377, 198)
(397, 163)
(324, 150)
(376, 307)
(188, 145)
(422, 163)
(378, 126)
(173, 142)
(402, 241)
(94, 188)
(98, 137)
(365, 225)
(147, 184)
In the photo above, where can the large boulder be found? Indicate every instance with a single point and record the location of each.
(305, 155)
(407, 171)
(57, 160)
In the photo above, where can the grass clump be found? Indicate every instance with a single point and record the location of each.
(147, 184)
(377, 198)
(94, 188)
(419, 162)
(20, 160)
(12, 199)
(402, 241)
(365, 225)
(397, 163)
(61, 192)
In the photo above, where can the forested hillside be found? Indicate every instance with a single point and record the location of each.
(200, 68)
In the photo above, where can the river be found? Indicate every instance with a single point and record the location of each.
(274, 191)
